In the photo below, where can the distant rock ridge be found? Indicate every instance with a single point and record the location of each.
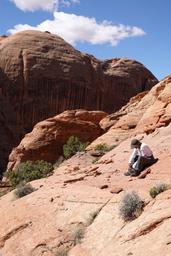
(41, 75)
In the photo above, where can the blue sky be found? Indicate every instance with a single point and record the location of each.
(144, 34)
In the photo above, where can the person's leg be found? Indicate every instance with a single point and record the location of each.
(142, 163)
(130, 167)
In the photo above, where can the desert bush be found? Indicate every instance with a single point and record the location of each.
(158, 188)
(62, 251)
(101, 147)
(77, 234)
(131, 206)
(73, 146)
(28, 171)
(92, 217)
(104, 148)
(23, 189)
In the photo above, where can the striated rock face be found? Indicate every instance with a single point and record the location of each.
(47, 138)
(143, 114)
(41, 75)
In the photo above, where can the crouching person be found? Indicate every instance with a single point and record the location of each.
(140, 158)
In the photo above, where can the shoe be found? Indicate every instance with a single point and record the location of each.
(127, 173)
(155, 160)
(134, 174)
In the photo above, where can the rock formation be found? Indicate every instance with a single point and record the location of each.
(41, 75)
(143, 114)
(46, 140)
(70, 212)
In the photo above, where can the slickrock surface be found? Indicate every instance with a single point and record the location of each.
(143, 114)
(41, 75)
(46, 140)
(69, 210)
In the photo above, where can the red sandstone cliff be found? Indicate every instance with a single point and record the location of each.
(41, 75)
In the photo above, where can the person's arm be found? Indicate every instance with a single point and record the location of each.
(133, 155)
(146, 151)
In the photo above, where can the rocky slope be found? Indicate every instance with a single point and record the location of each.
(41, 75)
(69, 210)
(46, 140)
(143, 114)
(77, 209)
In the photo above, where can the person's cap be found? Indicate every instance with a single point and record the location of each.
(134, 143)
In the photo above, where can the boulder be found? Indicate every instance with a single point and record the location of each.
(47, 138)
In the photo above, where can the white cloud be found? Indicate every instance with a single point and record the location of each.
(69, 2)
(75, 29)
(46, 5)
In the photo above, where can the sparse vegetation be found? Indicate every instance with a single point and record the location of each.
(104, 148)
(78, 234)
(101, 147)
(158, 188)
(96, 159)
(73, 146)
(131, 206)
(62, 251)
(28, 171)
(3, 193)
(23, 189)
(92, 217)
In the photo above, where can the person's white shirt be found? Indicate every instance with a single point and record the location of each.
(144, 150)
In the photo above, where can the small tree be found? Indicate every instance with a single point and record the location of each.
(73, 146)
(131, 206)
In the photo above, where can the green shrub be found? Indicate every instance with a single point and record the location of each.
(73, 146)
(101, 147)
(158, 188)
(23, 189)
(131, 206)
(28, 171)
(104, 148)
